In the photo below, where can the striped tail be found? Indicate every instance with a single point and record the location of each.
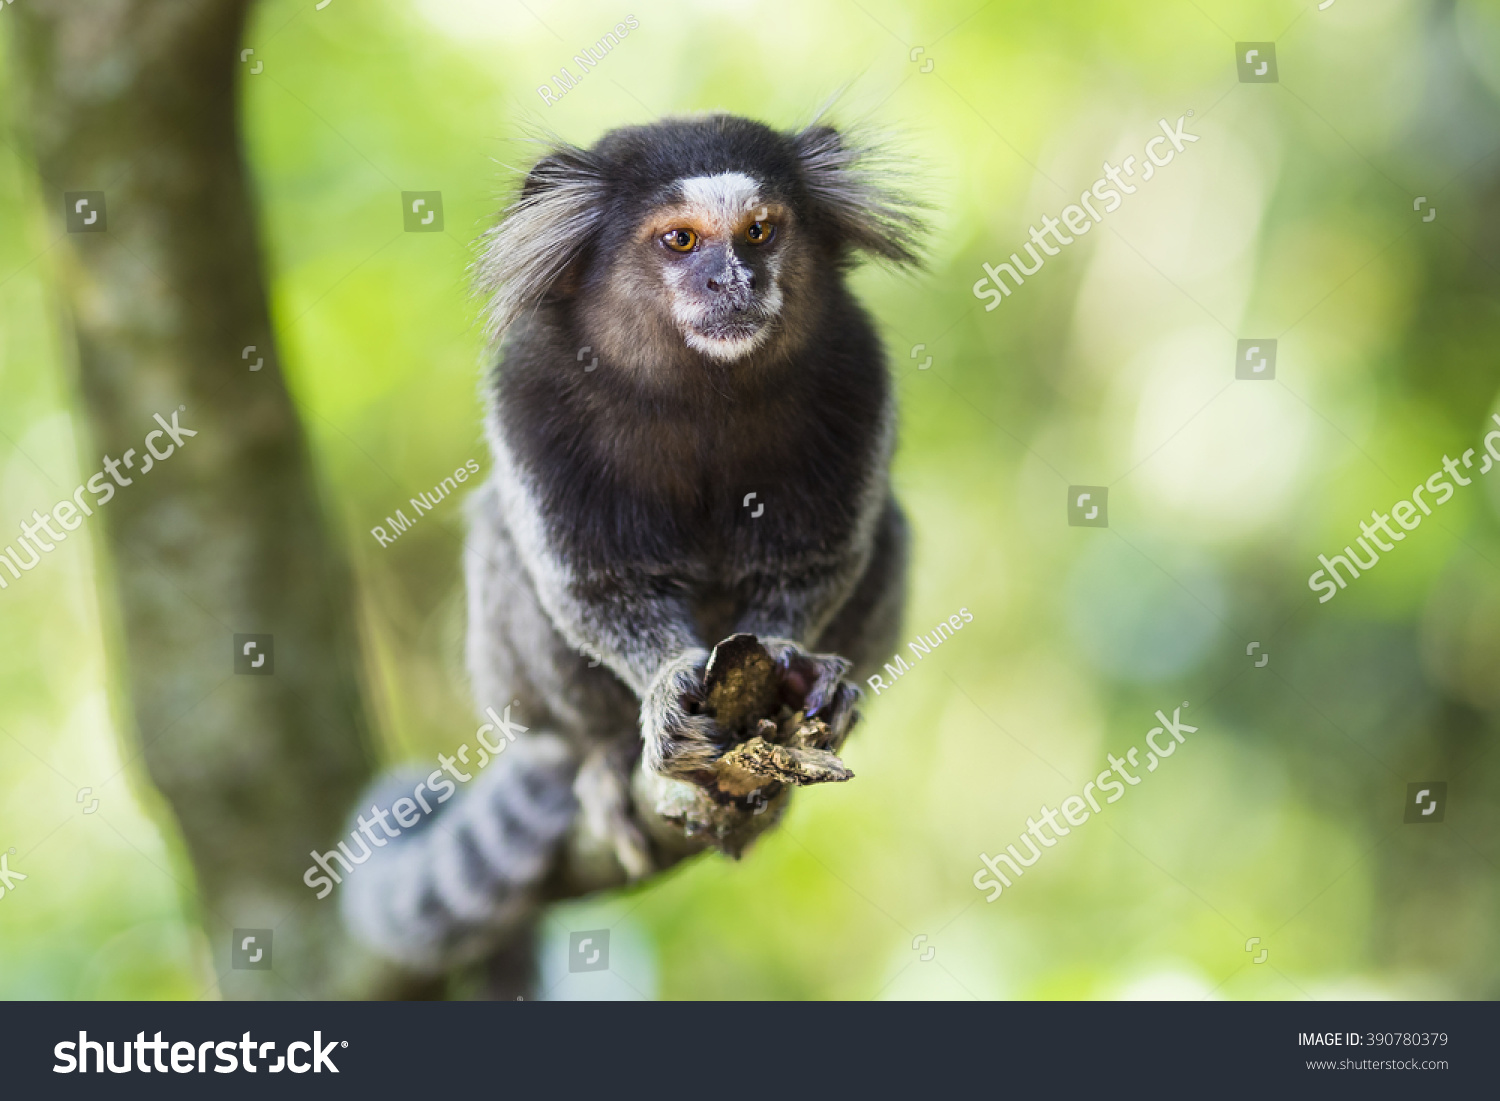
(453, 886)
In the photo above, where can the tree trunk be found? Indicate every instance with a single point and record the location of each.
(137, 99)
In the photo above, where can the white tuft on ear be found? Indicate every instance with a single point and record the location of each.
(850, 181)
(557, 215)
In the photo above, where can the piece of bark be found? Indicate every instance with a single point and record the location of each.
(774, 749)
(775, 745)
(740, 684)
(751, 766)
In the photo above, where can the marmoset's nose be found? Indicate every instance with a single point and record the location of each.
(739, 281)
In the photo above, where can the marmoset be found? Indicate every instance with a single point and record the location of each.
(692, 423)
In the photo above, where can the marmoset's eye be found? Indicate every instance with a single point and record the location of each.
(760, 233)
(680, 240)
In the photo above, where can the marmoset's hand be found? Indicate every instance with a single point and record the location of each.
(730, 733)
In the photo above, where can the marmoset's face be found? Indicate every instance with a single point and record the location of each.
(715, 257)
(700, 251)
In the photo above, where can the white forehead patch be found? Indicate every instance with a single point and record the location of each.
(725, 197)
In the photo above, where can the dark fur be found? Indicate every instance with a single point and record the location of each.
(614, 524)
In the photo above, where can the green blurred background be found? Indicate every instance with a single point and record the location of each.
(1292, 218)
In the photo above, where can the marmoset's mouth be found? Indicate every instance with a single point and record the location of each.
(729, 338)
(726, 323)
(726, 330)
(738, 328)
